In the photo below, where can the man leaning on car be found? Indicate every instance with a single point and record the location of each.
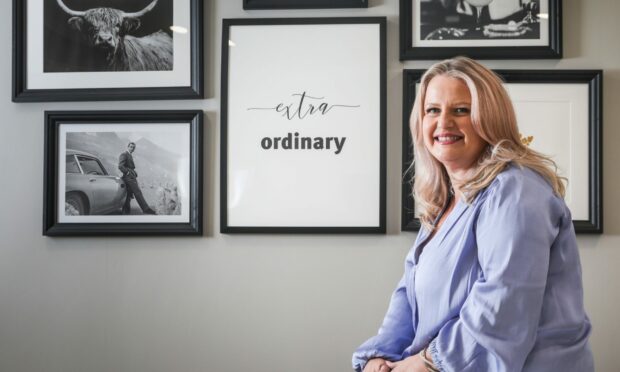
(127, 166)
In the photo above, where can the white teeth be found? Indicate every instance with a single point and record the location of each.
(447, 138)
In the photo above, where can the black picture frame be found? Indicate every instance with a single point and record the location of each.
(53, 150)
(303, 4)
(592, 79)
(553, 49)
(380, 213)
(22, 93)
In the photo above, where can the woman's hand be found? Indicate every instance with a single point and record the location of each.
(411, 364)
(377, 365)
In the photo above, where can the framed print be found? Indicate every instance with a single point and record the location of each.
(123, 173)
(303, 125)
(93, 50)
(559, 113)
(481, 29)
(303, 4)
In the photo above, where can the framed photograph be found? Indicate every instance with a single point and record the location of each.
(123, 173)
(303, 125)
(560, 114)
(93, 50)
(481, 29)
(303, 4)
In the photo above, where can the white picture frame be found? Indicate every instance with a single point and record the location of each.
(303, 125)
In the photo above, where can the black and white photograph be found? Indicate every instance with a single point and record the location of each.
(156, 155)
(480, 28)
(123, 169)
(303, 4)
(93, 50)
(479, 19)
(108, 35)
(303, 125)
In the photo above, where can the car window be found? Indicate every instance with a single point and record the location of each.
(72, 165)
(91, 166)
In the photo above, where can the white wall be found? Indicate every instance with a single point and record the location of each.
(238, 303)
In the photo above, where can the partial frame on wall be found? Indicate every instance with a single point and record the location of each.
(303, 4)
(123, 173)
(560, 114)
(303, 125)
(511, 29)
(160, 55)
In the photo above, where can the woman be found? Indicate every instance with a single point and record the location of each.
(493, 281)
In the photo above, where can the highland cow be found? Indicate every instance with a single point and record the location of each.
(107, 32)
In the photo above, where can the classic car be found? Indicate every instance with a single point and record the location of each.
(89, 188)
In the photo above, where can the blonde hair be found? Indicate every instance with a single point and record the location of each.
(493, 118)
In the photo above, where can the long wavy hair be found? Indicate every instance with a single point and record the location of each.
(494, 119)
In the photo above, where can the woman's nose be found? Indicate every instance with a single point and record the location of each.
(445, 120)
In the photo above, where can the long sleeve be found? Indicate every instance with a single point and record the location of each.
(496, 328)
(396, 332)
(122, 163)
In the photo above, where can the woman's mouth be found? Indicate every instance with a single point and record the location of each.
(447, 139)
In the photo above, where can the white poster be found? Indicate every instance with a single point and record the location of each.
(304, 126)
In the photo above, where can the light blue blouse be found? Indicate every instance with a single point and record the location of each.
(498, 288)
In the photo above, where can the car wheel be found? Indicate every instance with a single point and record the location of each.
(77, 203)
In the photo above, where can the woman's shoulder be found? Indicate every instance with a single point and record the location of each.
(521, 186)
(515, 178)
(518, 199)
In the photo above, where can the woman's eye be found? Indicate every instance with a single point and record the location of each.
(462, 110)
(432, 110)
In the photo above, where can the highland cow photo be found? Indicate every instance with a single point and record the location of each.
(93, 50)
(117, 170)
(108, 35)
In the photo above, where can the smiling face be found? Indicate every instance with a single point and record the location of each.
(447, 127)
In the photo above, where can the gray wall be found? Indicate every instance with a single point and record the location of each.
(236, 303)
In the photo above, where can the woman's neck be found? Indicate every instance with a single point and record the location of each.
(457, 178)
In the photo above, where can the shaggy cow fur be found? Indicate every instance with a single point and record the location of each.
(107, 32)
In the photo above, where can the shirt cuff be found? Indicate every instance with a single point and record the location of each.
(361, 359)
(437, 361)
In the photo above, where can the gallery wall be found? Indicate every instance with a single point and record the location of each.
(246, 302)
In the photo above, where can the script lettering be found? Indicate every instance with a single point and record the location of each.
(304, 107)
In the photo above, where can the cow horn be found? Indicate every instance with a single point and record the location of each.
(69, 11)
(142, 12)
